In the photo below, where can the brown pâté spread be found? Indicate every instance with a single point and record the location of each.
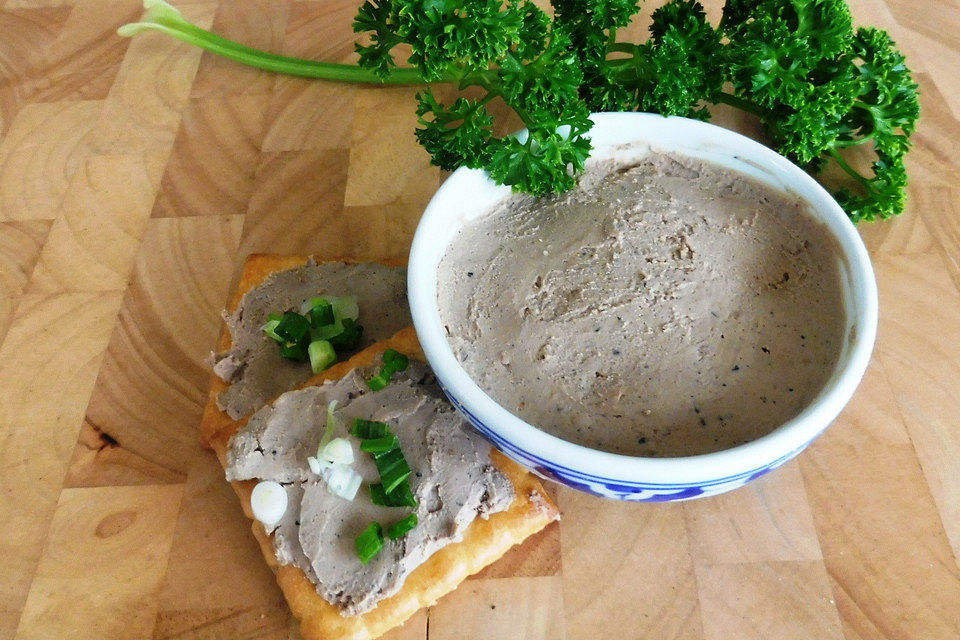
(453, 481)
(253, 366)
(665, 307)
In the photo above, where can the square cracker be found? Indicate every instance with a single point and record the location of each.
(255, 270)
(484, 541)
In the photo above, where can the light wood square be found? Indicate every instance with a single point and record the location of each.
(297, 205)
(626, 566)
(316, 31)
(211, 169)
(923, 371)
(103, 562)
(883, 542)
(25, 35)
(758, 601)
(306, 114)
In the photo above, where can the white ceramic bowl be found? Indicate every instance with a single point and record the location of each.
(469, 193)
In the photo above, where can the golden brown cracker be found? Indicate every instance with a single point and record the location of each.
(255, 270)
(484, 541)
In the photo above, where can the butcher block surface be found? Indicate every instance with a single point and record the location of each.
(137, 175)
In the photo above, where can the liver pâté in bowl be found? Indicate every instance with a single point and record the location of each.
(690, 318)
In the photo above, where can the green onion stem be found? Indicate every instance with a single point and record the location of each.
(401, 527)
(165, 19)
(369, 542)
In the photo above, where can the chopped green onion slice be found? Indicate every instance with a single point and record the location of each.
(329, 428)
(400, 527)
(345, 307)
(310, 303)
(294, 351)
(328, 332)
(396, 360)
(369, 542)
(378, 496)
(393, 362)
(322, 355)
(366, 429)
(377, 382)
(321, 313)
(338, 450)
(379, 445)
(274, 316)
(393, 469)
(402, 496)
(270, 329)
(292, 327)
(349, 338)
(343, 481)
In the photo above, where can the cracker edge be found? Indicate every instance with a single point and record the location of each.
(256, 268)
(484, 541)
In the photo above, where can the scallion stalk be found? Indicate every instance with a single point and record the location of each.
(367, 429)
(402, 496)
(322, 355)
(369, 542)
(393, 362)
(393, 469)
(401, 527)
(379, 445)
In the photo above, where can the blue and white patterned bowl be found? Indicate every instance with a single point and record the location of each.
(469, 193)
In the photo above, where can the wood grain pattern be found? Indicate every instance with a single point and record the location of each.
(20, 245)
(135, 177)
(211, 169)
(93, 242)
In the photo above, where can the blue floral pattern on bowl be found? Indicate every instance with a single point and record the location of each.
(610, 488)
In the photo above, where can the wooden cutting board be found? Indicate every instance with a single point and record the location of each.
(135, 176)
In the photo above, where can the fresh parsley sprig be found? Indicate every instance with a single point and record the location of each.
(819, 86)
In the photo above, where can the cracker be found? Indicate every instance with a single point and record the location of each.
(255, 270)
(484, 541)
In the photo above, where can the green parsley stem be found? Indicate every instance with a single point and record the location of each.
(739, 103)
(853, 173)
(841, 144)
(622, 47)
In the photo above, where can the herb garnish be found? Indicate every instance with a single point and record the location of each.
(369, 542)
(400, 527)
(393, 490)
(818, 85)
(314, 334)
(368, 429)
(393, 362)
(402, 496)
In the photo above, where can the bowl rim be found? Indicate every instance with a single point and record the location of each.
(766, 451)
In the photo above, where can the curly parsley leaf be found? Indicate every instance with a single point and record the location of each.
(817, 85)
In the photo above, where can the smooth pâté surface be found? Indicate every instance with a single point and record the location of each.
(135, 176)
